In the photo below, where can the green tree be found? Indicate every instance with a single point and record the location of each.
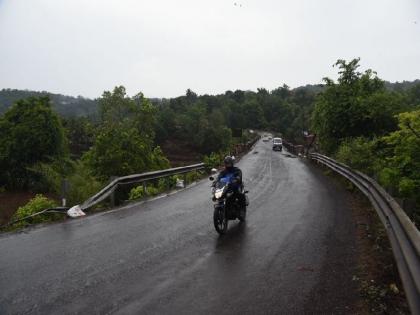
(122, 151)
(254, 115)
(125, 140)
(402, 168)
(357, 106)
(116, 107)
(31, 133)
(80, 132)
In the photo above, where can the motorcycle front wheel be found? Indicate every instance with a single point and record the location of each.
(220, 220)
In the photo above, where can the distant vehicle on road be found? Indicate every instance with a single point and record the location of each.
(265, 139)
(277, 144)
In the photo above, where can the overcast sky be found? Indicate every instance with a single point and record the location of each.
(83, 47)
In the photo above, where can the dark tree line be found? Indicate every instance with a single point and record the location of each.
(207, 120)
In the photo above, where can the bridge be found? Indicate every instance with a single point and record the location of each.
(295, 253)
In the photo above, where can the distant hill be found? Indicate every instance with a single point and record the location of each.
(67, 106)
(401, 86)
(70, 106)
(393, 86)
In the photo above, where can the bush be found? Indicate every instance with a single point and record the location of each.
(194, 176)
(212, 161)
(358, 153)
(138, 192)
(164, 184)
(47, 177)
(167, 183)
(82, 184)
(36, 204)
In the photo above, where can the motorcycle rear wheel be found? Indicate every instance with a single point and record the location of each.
(220, 221)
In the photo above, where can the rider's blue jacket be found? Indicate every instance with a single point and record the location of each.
(232, 173)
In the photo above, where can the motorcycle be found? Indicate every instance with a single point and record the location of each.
(226, 203)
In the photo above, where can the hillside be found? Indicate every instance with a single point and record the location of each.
(68, 106)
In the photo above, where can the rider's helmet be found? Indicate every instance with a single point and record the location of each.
(228, 161)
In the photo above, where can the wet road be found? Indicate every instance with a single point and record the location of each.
(294, 255)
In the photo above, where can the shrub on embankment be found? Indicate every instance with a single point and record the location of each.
(35, 205)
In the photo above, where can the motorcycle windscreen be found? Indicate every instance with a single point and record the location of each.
(223, 181)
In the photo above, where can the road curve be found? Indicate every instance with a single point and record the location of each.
(294, 255)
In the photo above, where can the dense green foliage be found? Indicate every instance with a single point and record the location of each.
(124, 143)
(206, 121)
(80, 133)
(358, 105)
(372, 129)
(402, 161)
(139, 192)
(36, 204)
(31, 133)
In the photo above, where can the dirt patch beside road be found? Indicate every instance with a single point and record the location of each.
(10, 202)
(180, 153)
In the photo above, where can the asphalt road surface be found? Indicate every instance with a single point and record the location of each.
(294, 255)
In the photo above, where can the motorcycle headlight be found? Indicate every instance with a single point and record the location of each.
(218, 194)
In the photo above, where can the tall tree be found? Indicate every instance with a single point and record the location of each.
(357, 105)
(30, 133)
(125, 140)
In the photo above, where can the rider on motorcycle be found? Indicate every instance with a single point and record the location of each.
(236, 174)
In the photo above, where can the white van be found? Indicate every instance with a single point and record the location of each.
(277, 144)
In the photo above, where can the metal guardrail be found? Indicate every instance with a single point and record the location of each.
(402, 233)
(61, 210)
(108, 190)
(137, 178)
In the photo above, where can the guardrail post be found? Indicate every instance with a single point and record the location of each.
(185, 180)
(64, 191)
(112, 196)
(112, 199)
(144, 187)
